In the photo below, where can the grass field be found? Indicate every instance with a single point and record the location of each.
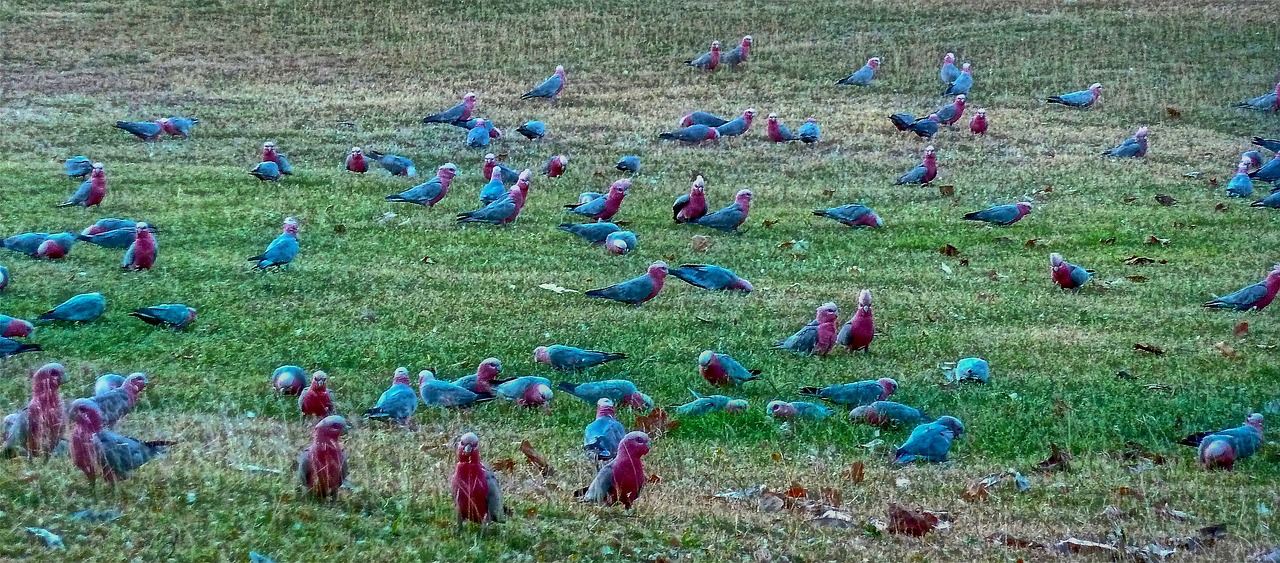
(319, 76)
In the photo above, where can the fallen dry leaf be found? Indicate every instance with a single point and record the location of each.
(1031, 243)
(701, 243)
(1130, 492)
(1002, 538)
(976, 491)
(771, 502)
(1129, 199)
(796, 490)
(946, 190)
(856, 472)
(427, 260)
(1241, 330)
(339, 228)
(1058, 460)
(1165, 199)
(832, 496)
(655, 423)
(1107, 241)
(1220, 208)
(1227, 351)
(532, 456)
(1136, 279)
(769, 223)
(909, 522)
(653, 479)
(949, 250)
(556, 288)
(1149, 348)
(1136, 260)
(1173, 112)
(507, 464)
(1152, 239)
(834, 519)
(828, 193)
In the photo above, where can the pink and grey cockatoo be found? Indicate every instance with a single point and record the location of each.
(978, 123)
(15, 328)
(951, 113)
(83, 308)
(398, 403)
(178, 126)
(804, 410)
(356, 161)
(702, 118)
(395, 164)
(924, 172)
(692, 134)
(635, 291)
(569, 358)
(437, 393)
(620, 243)
(550, 88)
(809, 131)
(322, 465)
(4, 278)
(729, 218)
(141, 255)
(480, 134)
(622, 392)
(1241, 185)
(739, 54)
(854, 394)
(603, 208)
(1133, 147)
(526, 391)
(1256, 296)
(1223, 448)
(738, 125)
(533, 130)
(460, 112)
(602, 436)
(107, 382)
(271, 154)
(1082, 99)
(962, 84)
(886, 414)
(693, 205)
(778, 132)
(817, 337)
(556, 166)
(505, 210)
(857, 333)
(494, 190)
(10, 347)
(144, 130)
(477, 495)
(288, 380)
(852, 215)
(92, 191)
(708, 276)
(509, 176)
(483, 380)
(1001, 215)
(707, 61)
(703, 405)
(621, 480)
(169, 315)
(99, 452)
(37, 429)
(429, 193)
(948, 72)
(722, 370)
(862, 76)
(1066, 274)
(594, 233)
(282, 250)
(119, 402)
(930, 442)
(315, 399)
(628, 163)
(925, 127)
(1265, 102)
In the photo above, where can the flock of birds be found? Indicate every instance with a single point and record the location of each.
(39, 429)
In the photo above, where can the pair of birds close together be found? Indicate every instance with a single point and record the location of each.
(711, 60)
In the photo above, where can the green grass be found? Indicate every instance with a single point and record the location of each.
(360, 300)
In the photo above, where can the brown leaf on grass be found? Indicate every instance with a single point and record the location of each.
(909, 522)
(701, 243)
(1152, 348)
(1031, 243)
(1241, 330)
(427, 260)
(828, 193)
(1158, 387)
(769, 223)
(787, 244)
(771, 502)
(1135, 451)
(1058, 460)
(339, 228)
(1214, 182)
(832, 497)
(1220, 208)
(1173, 112)
(946, 190)
(1002, 538)
(1165, 200)
(1137, 279)
(855, 473)
(653, 479)
(796, 490)
(1107, 241)
(656, 423)
(507, 464)
(963, 262)
(1152, 239)
(1130, 492)
(1226, 350)
(775, 456)
(532, 456)
(976, 491)
(1136, 260)
(1129, 198)
(949, 250)
(1060, 407)
(1163, 509)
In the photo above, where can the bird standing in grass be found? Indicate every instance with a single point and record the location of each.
(930, 442)
(739, 54)
(429, 193)
(1133, 147)
(282, 251)
(97, 451)
(948, 71)
(603, 208)
(477, 495)
(288, 380)
(817, 337)
(862, 76)
(978, 123)
(729, 218)
(857, 333)
(144, 130)
(962, 84)
(635, 291)
(924, 172)
(83, 308)
(91, 191)
(778, 132)
(1066, 274)
(715, 278)
(692, 134)
(1265, 102)
(1081, 99)
(1221, 449)
(852, 215)
(629, 163)
(738, 125)
(722, 370)
(692, 206)
(460, 112)
(621, 480)
(1256, 296)
(556, 166)
(315, 399)
(173, 315)
(356, 162)
(550, 88)
(602, 436)
(36, 430)
(707, 61)
(809, 132)
(398, 403)
(854, 394)
(533, 130)
(1001, 215)
(322, 466)
(569, 358)
(783, 410)
(142, 254)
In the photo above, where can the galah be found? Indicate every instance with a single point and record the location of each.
(1272, 200)
(783, 410)
(809, 131)
(315, 399)
(15, 328)
(620, 243)
(962, 83)
(429, 193)
(4, 278)
(37, 429)
(26, 243)
(969, 369)
(505, 210)
(924, 128)
(82, 308)
(1240, 185)
(10, 347)
(460, 112)
(322, 466)
(555, 166)
(1256, 296)
(483, 379)
(708, 276)
(527, 391)
(1269, 172)
(478, 136)
(1082, 99)
(978, 123)
(270, 154)
(77, 166)
(569, 358)
(119, 402)
(924, 172)
(119, 238)
(1265, 102)
(437, 393)
(594, 233)
(172, 315)
(817, 337)
(99, 452)
(106, 382)
(91, 191)
(703, 405)
(621, 480)
(604, 208)
(509, 176)
(398, 403)
(692, 206)
(622, 392)
(141, 255)
(692, 134)
(857, 333)
(707, 61)
(721, 370)
(1222, 448)
(729, 218)
(862, 76)
(738, 125)
(1133, 147)
(486, 124)
(951, 113)
(533, 130)
(110, 224)
(179, 126)
(602, 436)
(396, 165)
(477, 495)
(852, 215)
(144, 130)
(1066, 274)
(629, 163)
(854, 394)
(635, 291)
(356, 162)
(948, 72)
(1001, 215)
(550, 88)
(282, 250)
(739, 54)
(288, 380)
(494, 190)
(1272, 145)
(56, 246)
(266, 171)
(702, 118)
(930, 441)
(778, 132)
(886, 414)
